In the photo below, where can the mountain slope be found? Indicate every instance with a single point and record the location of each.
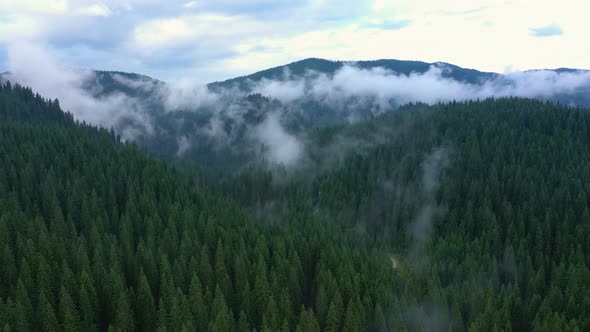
(244, 121)
(300, 68)
(484, 204)
(216, 121)
(97, 235)
(221, 123)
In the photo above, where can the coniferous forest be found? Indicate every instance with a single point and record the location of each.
(462, 216)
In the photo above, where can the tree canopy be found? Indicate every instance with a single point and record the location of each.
(461, 216)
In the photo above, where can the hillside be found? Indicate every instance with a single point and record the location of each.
(97, 235)
(329, 67)
(482, 205)
(246, 120)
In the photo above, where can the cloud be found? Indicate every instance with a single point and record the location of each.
(186, 95)
(281, 147)
(191, 4)
(283, 90)
(34, 6)
(201, 29)
(547, 31)
(470, 11)
(253, 8)
(97, 9)
(184, 145)
(388, 24)
(162, 32)
(229, 117)
(377, 89)
(55, 7)
(383, 85)
(429, 316)
(543, 84)
(181, 37)
(35, 66)
(17, 28)
(432, 166)
(134, 116)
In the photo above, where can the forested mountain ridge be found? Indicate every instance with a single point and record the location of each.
(96, 235)
(247, 119)
(20, 104)
(329, 67)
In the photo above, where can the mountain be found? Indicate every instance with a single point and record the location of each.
(245, 120)
(328, 67)
(130, 84)
(96, 235)
(480, 200)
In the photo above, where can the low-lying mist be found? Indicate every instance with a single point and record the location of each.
(188, 113)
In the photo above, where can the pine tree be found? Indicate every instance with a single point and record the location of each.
(123, 319)
(67, 311)
(380, 322)
(145, 308)
(48, 319)
(351, 320)
(307, 322)
(23, 308)
(335, 314)
(198, 308)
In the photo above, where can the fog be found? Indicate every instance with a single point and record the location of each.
(349, 94)
(421, 227)
(34, 66)
(385, 86)
(282, 147)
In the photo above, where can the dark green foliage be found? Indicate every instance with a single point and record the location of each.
(507, 246)
(96, 235)
(18, 103)
(328, 67)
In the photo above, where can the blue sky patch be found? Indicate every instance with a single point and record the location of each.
(547, 31)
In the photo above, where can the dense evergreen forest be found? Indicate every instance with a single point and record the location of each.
(98, 235)
(461, 216)
(498, 242)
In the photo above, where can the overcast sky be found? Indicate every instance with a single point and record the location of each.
(209, 40)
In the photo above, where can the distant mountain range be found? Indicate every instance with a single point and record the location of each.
(402, 67)
(222, 119)
(311, 66)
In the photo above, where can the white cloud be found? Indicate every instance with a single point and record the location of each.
(353, 89)
(34, 6)
(164, 31)
(487, 38)
(186, 94)
(283, 148)
(350, 92)
(18, 29)
(191, 4)
(233, 37)
(180, 30)
(487, 35)
(36, 66)
(97, 9)
(54, 7)
(183, 145)
(285, 91)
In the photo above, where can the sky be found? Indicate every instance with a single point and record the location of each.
(209, 40)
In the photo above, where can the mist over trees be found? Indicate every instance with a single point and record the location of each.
(230, 123)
